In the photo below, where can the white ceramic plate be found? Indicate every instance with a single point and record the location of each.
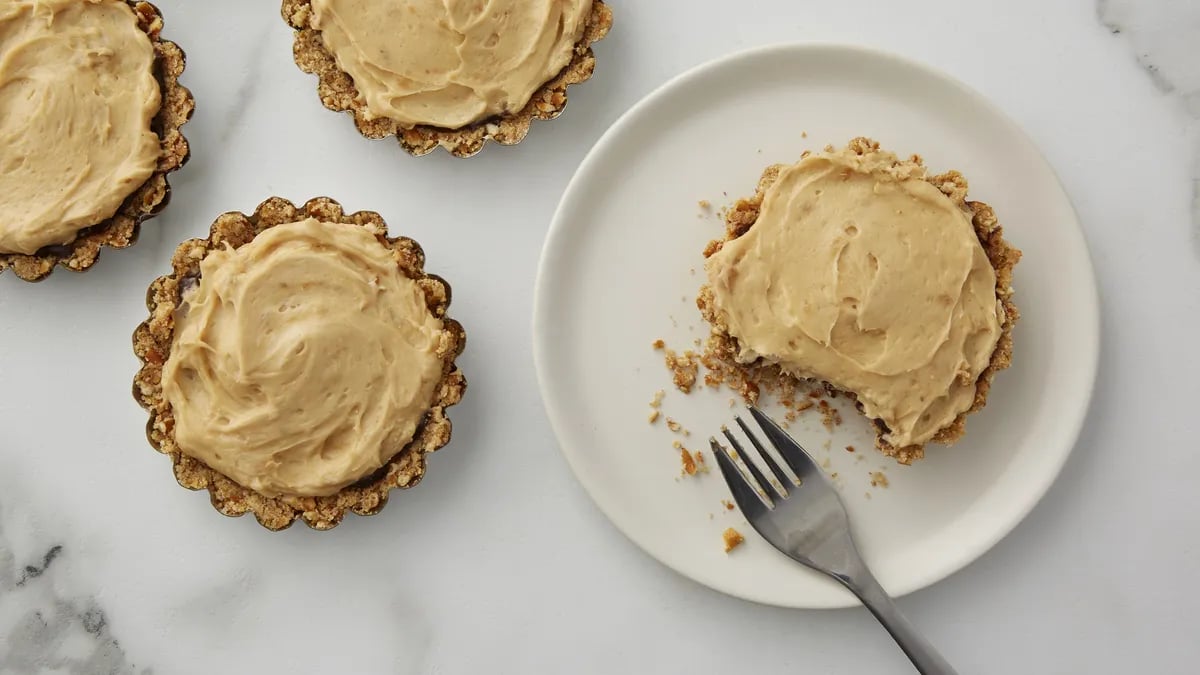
(622, 264)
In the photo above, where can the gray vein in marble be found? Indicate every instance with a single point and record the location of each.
(1164, 35)
(35, 571)
(41, 631)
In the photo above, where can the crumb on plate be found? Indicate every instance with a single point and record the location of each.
(689, 464)
(685, 368)
(732, 539)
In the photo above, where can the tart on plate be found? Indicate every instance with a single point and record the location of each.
(860, 270)
(298, 363)
(90, 117)
(452, 74)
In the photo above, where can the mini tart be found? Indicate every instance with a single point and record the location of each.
(338, 93)
(153, 341)
(146, 201)
(1003, 257)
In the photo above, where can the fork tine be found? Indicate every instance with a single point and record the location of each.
(796, 456)
(770, 461)
(752, 468)
(744, 494)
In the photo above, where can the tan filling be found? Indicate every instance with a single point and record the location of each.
(77, 98)
(860, 273)
(303, 361)
(449, 63)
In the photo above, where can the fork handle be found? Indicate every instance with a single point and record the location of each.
(922, 654)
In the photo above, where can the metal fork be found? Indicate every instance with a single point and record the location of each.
(806, 520)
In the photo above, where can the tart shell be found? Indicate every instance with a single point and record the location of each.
(338, 93)
(153, 339)
(147, 201)
(1002, 255)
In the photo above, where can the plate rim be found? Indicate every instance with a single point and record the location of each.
(558, 229)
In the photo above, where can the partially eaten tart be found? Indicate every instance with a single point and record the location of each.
(453, 74)
(298, 363)
(90, 112)
(862, 271)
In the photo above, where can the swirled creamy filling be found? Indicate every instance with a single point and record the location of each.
(77, 99)
(449, 63)
(860, 273)
(302, 361)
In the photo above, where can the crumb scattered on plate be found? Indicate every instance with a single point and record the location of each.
(676, 427)
(727, 504)
(732, 538)
(688, 462)
(685, 368)
(878, 479)
(830, 416)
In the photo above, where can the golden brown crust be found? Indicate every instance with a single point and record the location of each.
(1003, 256)
(121, 230)
(337, 92)
(153, 339)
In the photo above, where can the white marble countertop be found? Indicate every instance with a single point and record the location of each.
(498, 562)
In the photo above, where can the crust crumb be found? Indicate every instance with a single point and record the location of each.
(688, 462)
(878, 479)
(732, 539)
(830, 416)
(685, 369)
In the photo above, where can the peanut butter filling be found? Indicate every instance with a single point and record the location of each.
(449, 63)
(77, 98)
(861, 274)
(302, 361)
